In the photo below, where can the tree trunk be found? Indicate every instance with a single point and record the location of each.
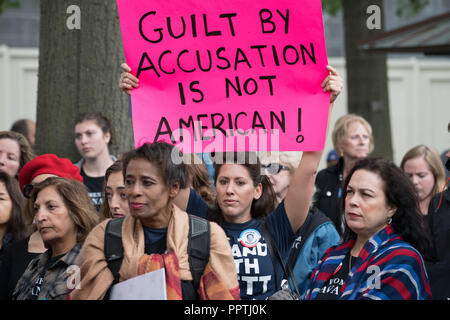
(367, 82)
(79, 71)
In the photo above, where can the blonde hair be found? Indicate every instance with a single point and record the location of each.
(199, 176)
(341, 128)
(434, 162)
(290, 158)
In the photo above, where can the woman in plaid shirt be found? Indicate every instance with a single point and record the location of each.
(64, 216)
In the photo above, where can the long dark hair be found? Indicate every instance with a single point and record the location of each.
(249, 160)
(16, 223)
(399, 192)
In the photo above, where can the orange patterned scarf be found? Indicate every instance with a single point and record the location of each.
(211, 287)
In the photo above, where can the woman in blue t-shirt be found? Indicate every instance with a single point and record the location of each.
(245, 198)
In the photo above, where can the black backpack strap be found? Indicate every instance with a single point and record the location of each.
(270, 246)
(275, 254)
(113, 247)
(198, 247)
(314, 219)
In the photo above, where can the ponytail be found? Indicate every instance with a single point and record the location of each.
(260, 207)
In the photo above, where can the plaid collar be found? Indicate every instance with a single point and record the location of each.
(68, 259)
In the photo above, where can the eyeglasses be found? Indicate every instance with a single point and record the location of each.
(273, 168)
(27, 190)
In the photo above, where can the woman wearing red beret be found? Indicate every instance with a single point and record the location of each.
(21, 252)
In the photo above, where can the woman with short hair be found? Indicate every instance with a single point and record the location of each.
(156, 234)
(93, 136)
(353, 140)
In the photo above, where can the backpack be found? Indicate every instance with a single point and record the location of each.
(198, 247)
(314, 219)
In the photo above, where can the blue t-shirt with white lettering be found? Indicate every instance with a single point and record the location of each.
(254, 265)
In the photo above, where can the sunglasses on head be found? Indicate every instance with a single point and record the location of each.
(273, 168)
(27, 190)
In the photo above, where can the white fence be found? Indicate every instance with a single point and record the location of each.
(419, 96)
(419, 102)
(18, 84)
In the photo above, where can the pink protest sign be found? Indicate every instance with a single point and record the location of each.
(227, 75)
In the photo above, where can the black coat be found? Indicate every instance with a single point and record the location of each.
(329, 192)
(439, 223)
(14, 262)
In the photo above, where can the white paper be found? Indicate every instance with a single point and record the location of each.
(149, 286)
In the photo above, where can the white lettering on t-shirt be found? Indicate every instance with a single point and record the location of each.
(235, 251)
(237, 263)
(249, 266)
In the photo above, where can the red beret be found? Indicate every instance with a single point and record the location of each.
(48, 164)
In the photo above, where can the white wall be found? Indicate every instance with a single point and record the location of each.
(18, 84)
(419, 97)
(419, 102)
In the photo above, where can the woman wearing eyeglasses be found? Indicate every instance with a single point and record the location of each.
(279, 167)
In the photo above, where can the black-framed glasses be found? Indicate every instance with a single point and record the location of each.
(27, 190)
(273, 168)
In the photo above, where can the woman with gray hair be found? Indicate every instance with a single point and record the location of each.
(353, 141)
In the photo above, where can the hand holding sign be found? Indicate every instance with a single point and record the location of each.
(333, 83)
(127, 80)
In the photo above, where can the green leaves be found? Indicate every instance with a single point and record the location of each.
(409, 8)
(332, 6)
(6, 4)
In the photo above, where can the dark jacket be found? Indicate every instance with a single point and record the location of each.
(329, 191)
(15, 262)
(439, 223)
(55, 285)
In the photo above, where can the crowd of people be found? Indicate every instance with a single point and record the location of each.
(362, 228)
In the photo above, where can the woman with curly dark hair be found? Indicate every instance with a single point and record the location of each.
(383, 243)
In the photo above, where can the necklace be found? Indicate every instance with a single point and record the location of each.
(350, 263)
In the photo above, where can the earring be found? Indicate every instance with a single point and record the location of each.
(389, 220)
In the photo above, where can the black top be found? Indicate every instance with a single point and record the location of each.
(331, 289)
(95, 188)
(439, 223)
(329, 192)
(15, 262)
(36, 289)
(156, 242)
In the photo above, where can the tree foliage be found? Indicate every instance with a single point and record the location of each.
(405, 8)
(7, 4)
